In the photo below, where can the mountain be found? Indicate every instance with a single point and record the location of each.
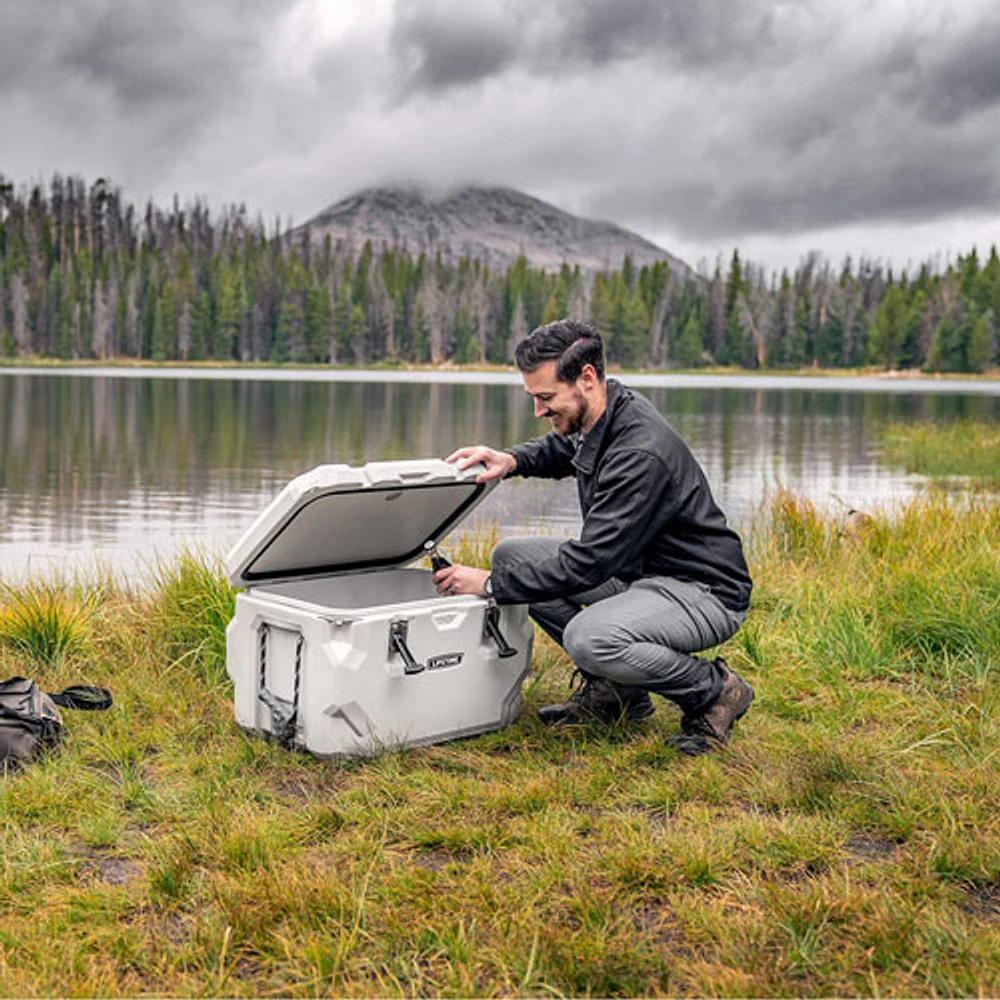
(495, 224)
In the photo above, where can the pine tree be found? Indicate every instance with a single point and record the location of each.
(889, 328)
(552, 310)
(228, 313)
(979, 352)
(342, 319)
(64, 295)
(735, 348)
(380, 314)
(946, 353)
(802, 341)
(600, 307)
(356, 327)
(633, 343)
(201, 326)
(164, 331)
(688, 349)
(318, 322)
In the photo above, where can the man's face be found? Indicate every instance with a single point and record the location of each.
(562, 402)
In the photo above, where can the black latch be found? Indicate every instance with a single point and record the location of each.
(397, 644)
(492, 628)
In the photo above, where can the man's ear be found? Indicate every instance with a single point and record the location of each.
(588, 375)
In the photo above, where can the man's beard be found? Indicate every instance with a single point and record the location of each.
(576, 421)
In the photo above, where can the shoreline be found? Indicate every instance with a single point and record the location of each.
(832, 380)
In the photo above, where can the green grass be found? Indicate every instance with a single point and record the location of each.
(966, 448)
(844, 844)
(45, 622)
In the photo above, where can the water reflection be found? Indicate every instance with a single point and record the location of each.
(125, 470)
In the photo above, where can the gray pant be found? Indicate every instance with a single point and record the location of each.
(639, 634)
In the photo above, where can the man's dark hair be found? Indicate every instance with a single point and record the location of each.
(568, 342)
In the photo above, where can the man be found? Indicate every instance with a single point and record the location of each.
(655, 575)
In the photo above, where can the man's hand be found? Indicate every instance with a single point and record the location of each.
(454, 580)
(498, 463)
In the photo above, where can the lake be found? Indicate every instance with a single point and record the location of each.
(119, 468)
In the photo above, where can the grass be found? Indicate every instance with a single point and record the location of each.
(845, 843)
(46, 622)
(963, 449)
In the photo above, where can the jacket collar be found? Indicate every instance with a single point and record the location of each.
(590, 446)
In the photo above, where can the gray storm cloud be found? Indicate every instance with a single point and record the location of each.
(807, 118)
(143, 52)
(447, 43)
(149, 74)
(711, 120)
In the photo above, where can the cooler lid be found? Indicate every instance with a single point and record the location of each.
(341, 519)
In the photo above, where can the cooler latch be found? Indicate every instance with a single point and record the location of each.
(398, 630)
(491, 623)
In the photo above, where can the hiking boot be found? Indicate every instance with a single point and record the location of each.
(598, 700)
(710, 730)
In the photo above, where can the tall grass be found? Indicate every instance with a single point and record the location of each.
(47, 622)
(844, 844)
(965, 448)
(191, 604)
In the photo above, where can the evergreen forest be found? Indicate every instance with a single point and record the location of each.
(85, 275)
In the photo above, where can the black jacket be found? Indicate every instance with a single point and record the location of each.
(647, 510)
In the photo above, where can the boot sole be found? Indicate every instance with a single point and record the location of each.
(695, 746)
(568, 720)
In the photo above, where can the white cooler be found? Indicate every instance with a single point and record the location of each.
(339, 649)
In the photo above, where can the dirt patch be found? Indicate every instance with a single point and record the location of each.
(173, 928)
(247, 969)
(112, 871)
(319, 784)
(294, 790)
(863, 847)
(437, 858)
(800, 873)
(654, 920)
(982, 899)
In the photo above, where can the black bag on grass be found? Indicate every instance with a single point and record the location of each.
(30, 721)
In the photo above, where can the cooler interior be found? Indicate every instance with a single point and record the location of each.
(357, 590)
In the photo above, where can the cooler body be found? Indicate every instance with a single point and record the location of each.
(359, 664)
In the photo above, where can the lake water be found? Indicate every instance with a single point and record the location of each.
(119, 468)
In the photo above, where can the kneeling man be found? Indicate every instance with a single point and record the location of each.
(656, 574)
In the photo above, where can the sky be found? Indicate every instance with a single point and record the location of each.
(850, 127)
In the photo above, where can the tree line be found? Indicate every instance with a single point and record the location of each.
(85, 275)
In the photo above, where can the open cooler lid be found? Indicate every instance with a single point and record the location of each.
(348, 519)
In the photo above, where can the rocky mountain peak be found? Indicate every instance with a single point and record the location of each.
(495, 224)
